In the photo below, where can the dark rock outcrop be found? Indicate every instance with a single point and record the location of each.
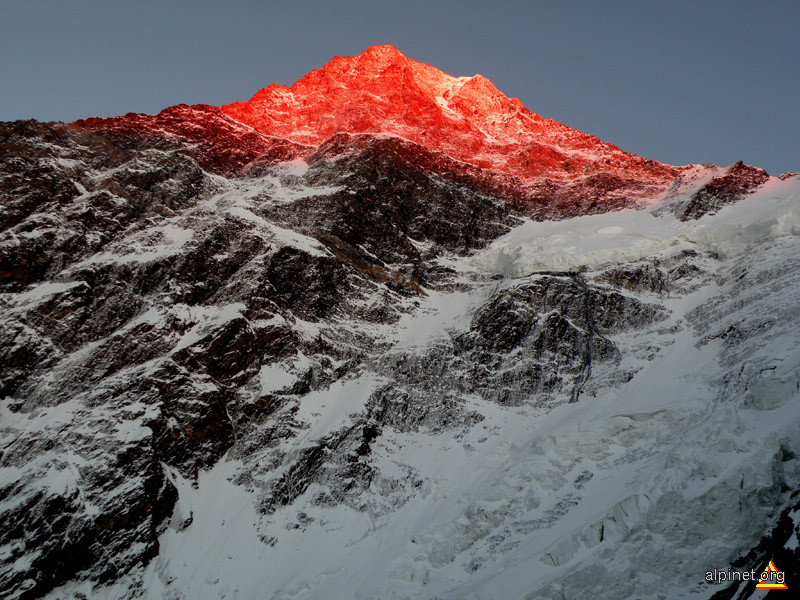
(738, 181)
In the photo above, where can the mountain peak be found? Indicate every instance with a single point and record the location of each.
(382, 52)
(382, 91)
(373, 61)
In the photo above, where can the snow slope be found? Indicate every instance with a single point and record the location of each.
(632, 492)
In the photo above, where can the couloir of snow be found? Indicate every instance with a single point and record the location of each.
(632, 493)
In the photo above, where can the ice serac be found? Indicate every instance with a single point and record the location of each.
(381, 91)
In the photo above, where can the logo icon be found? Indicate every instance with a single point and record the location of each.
(772, 579)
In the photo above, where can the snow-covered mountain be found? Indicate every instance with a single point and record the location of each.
(388, 334)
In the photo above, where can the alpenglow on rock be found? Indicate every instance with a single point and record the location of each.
(386, 333)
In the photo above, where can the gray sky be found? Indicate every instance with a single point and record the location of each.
(672, 81)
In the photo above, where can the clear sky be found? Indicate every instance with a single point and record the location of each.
(674, 81)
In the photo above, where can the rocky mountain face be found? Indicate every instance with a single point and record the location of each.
(388, 334)
(466, 118)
